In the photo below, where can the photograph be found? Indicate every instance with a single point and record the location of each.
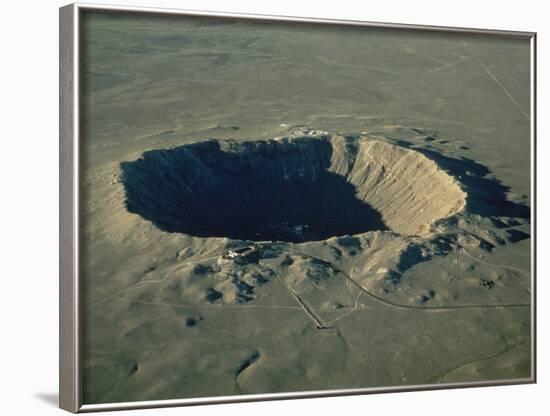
(271, 206)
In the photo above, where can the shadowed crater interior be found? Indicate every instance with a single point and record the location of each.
(261, 190)
(289, 189)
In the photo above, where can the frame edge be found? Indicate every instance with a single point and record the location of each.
(103, 7)
(68, 288)
(534, 184)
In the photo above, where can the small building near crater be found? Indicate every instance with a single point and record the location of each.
(242, 255)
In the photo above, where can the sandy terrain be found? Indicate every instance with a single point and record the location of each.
(274, 208)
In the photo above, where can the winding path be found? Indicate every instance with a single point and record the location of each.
(403, 306)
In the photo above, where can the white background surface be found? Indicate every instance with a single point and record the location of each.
(29, 208)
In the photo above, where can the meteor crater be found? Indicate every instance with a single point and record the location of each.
(298, 188)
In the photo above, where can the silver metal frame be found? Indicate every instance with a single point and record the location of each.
(70, 312)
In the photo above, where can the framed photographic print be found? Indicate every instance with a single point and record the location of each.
(260, 207)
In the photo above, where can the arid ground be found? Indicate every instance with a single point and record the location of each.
(275, 207)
